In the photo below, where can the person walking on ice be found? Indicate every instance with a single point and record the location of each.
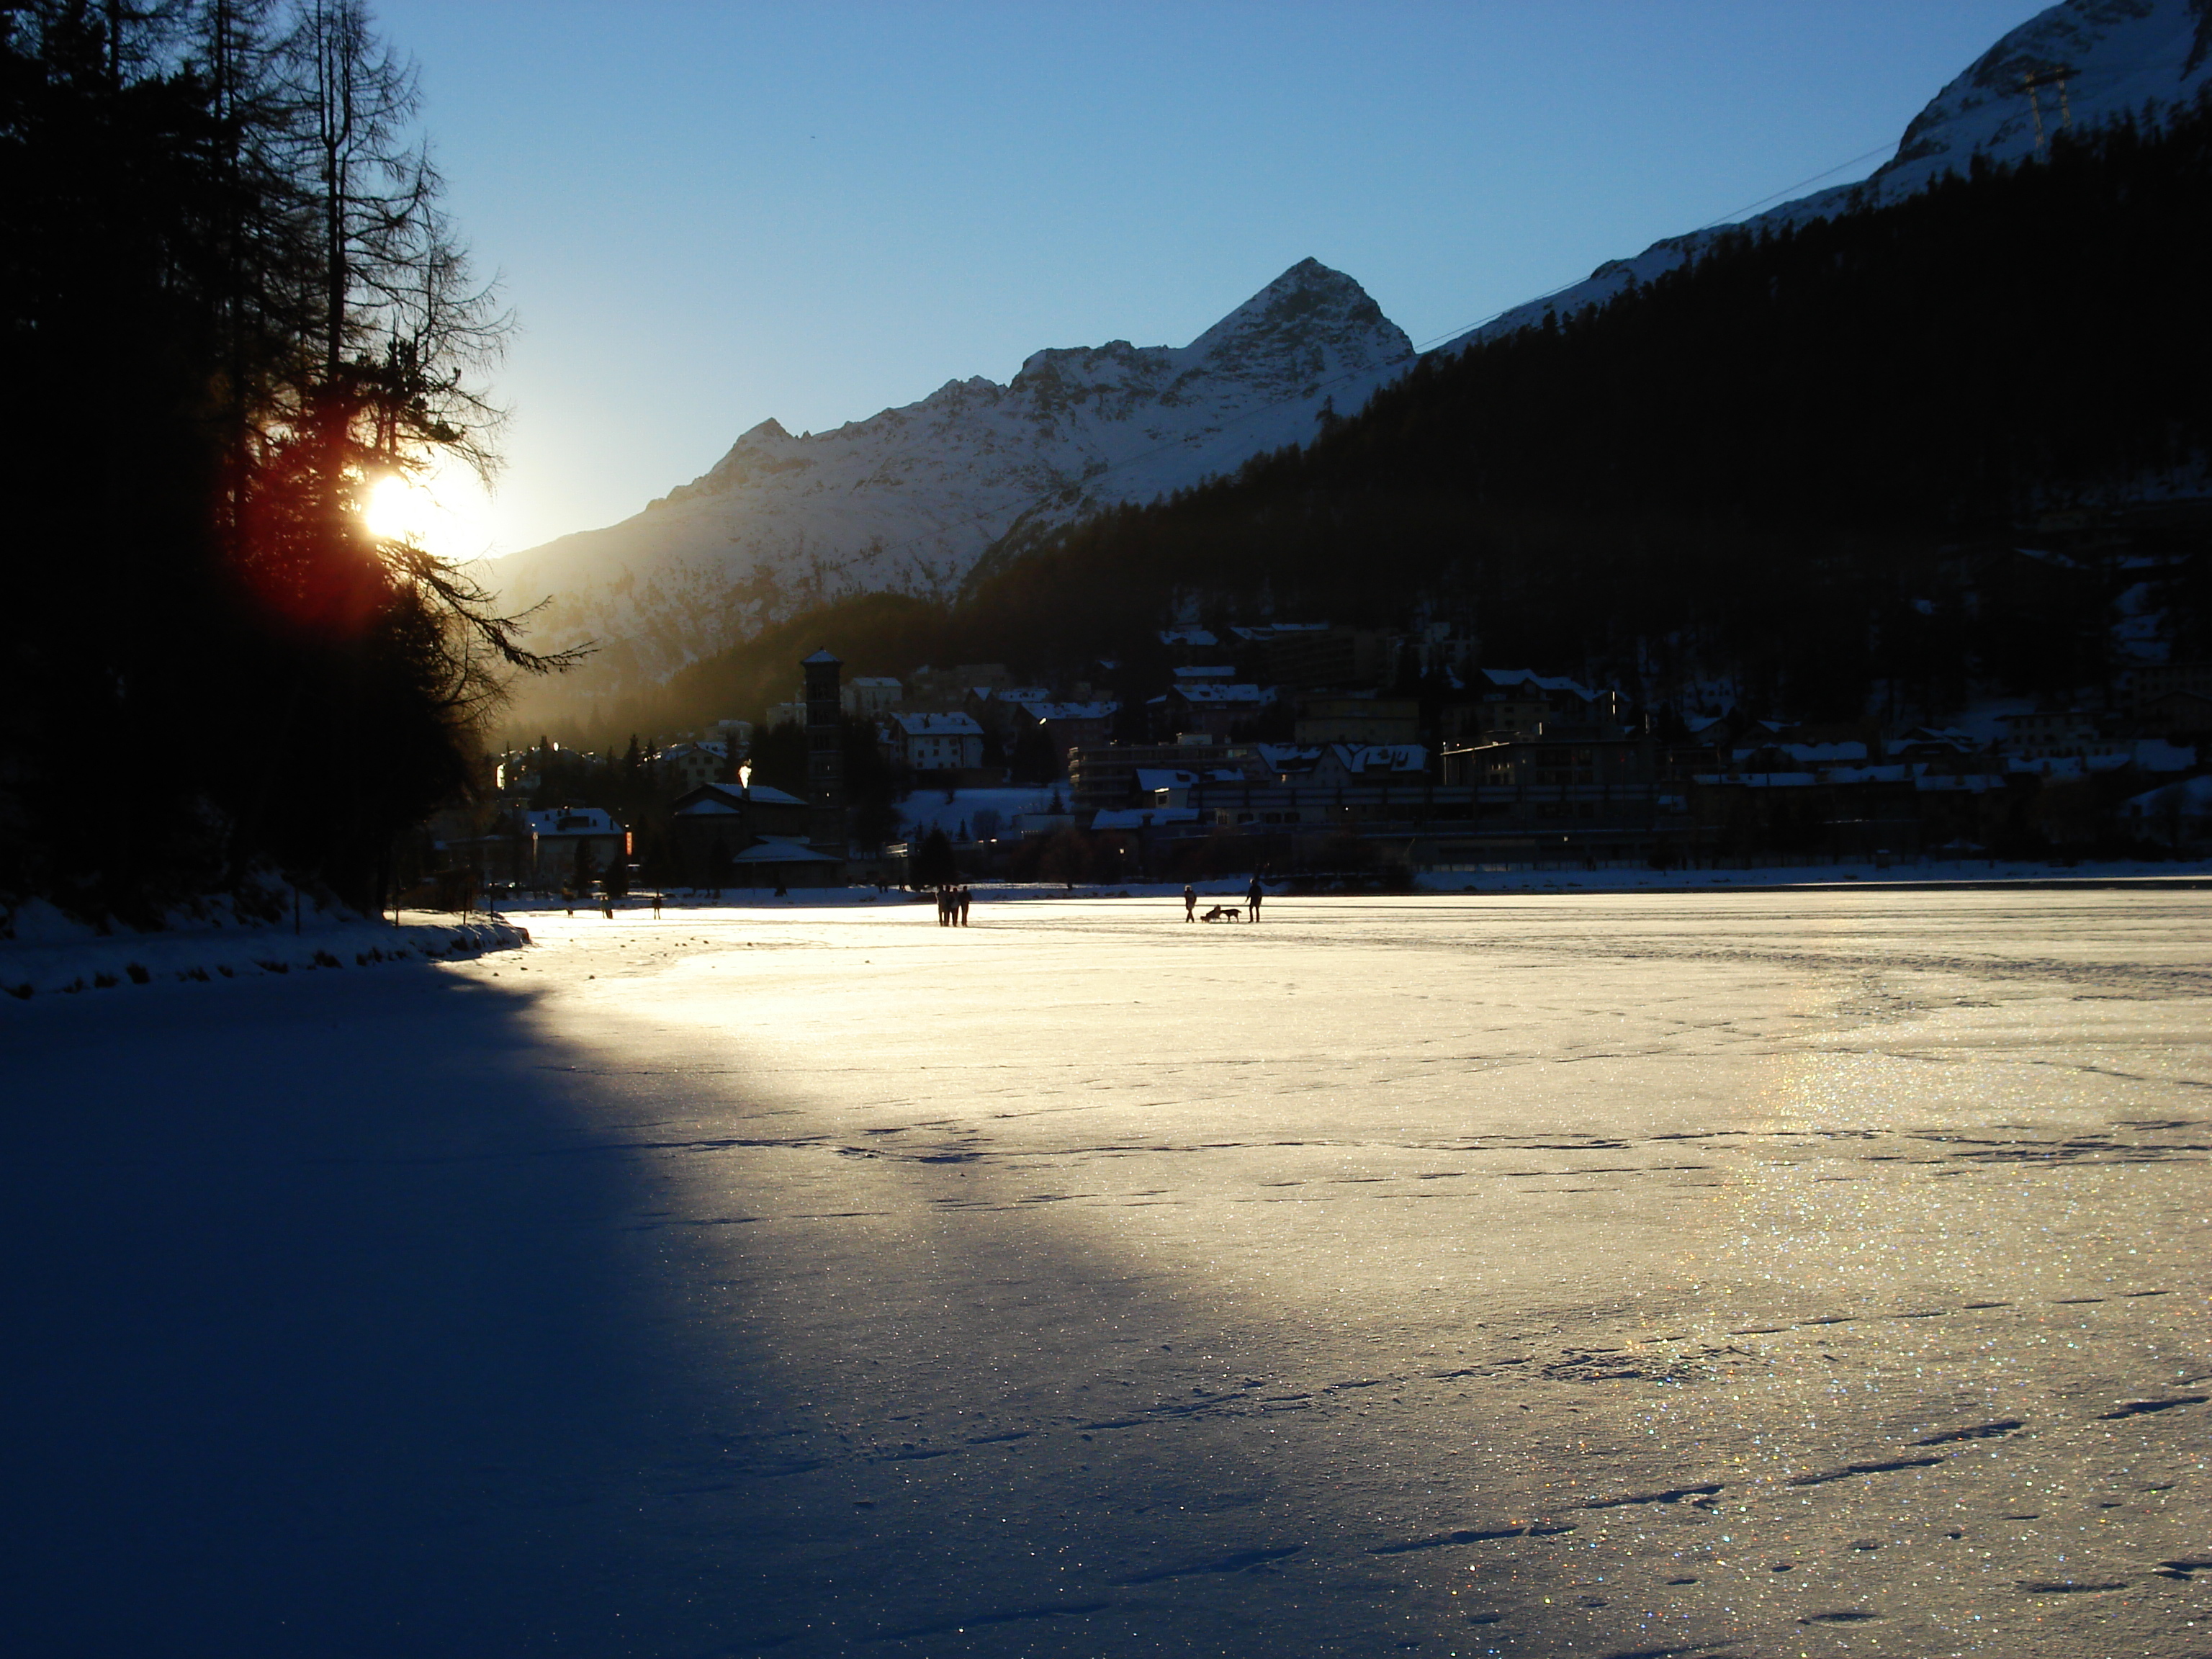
(1189, 902)
(1253, 895)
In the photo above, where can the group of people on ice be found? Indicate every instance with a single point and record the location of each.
(1253, 895)
(952, 902)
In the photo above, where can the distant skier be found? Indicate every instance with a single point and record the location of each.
(1189, 902)
(1253, 895)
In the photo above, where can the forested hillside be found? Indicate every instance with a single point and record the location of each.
(1802, 466)
(1795, 456)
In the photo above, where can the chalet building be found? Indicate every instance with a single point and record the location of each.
(718, 828)
(688, 765)
(562, 840)
(937, 743)
(1210, 708)
(760, 810)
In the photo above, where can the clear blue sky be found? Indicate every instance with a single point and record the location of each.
(708, 213)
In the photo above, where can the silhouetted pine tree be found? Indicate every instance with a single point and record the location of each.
(228, 295)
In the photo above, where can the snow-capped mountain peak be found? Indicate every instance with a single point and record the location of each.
(2077, 66)
(911, 497)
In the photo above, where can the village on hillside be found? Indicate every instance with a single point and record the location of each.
(1327, 753)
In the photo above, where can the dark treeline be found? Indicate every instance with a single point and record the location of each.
(232, 307)
(1802, 462)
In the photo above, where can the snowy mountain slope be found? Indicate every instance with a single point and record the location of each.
(2081, 64)
(910, 498)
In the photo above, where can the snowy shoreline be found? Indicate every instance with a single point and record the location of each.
(51, 956)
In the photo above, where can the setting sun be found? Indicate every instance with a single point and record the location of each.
(446, 510)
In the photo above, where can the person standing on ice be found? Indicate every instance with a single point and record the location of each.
(966, 898)
(1189, 902)
(1253, 895)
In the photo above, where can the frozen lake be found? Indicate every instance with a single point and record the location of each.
(1702, 1272)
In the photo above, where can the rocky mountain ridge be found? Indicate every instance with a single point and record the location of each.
(910, 498)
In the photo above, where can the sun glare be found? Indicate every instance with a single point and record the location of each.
(444, 511)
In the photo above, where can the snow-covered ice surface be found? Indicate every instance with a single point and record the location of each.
(1802, 1273)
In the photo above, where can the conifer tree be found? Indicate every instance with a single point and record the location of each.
(230, 294)
(932, 864)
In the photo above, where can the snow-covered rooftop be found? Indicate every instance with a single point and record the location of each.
(1072, 711)
(572, 821)
(713, 797)
(1507, 679)
(1205, 692)
(937, 726)
(1144, 817)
